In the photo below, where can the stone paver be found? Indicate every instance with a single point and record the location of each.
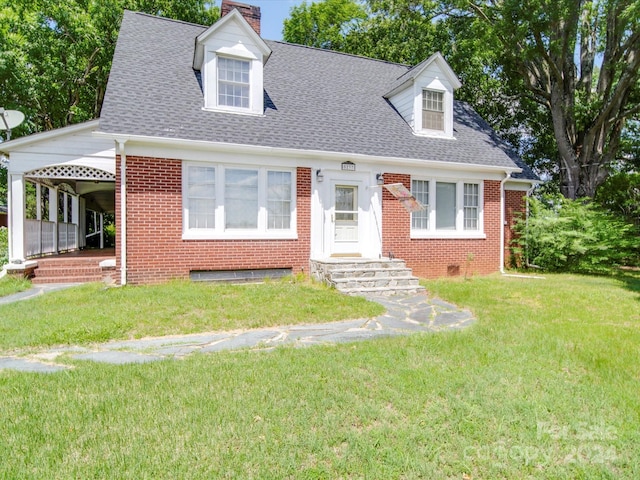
(406, 314)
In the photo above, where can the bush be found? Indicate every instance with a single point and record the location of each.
(4, 246)
(574, 236)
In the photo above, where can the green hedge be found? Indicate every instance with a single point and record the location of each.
(4, 246)
(574, 236)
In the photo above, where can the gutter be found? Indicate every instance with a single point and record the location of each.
(298, 154)
(123, 212)
(502, 219)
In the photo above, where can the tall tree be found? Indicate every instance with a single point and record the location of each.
(580, 60)
(558, 79)
(55, 56)
(322, 24)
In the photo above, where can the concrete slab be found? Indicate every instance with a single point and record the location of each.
(23, 365)
(118, 358)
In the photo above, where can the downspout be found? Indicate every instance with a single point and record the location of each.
(123, 213)
(502, 219)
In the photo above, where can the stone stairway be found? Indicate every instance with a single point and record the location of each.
(74, 269)
(356, 276)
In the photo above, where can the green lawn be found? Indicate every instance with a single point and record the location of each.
(545, 385)
(10, 285)
(94, 313)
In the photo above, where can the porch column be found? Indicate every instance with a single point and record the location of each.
(101, 230)
(75, 219)
(16, 200)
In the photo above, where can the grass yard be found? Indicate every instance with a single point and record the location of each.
(10, 285)
(92, 313)
(545, 385)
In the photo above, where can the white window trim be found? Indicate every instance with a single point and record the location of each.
(222, 233)
(447, 104)
(211, 87)
(459, 232)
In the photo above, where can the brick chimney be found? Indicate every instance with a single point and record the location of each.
(250, 13)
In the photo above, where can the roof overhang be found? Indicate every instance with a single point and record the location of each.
(410, 76)
(12, 145)
(300, 153)
(233, 16)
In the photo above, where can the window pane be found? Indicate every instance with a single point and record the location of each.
(241, 198)
(471, 204)
(432, 110)
(201, 196)
(278, 200)
(445, 206)
(420, 190)
(233, 82)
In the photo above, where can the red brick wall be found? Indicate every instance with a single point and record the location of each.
(155, 249)
(432, 258)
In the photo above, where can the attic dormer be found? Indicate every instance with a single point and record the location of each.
(424, 97)
(230, 56)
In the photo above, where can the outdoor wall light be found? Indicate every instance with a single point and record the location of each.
(380, 179)
(319, 175)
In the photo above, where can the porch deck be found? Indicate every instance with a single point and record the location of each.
(79, 266)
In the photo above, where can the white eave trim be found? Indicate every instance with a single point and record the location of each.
(8, 147)
(299, 154)
(234, 15)
(414, 72)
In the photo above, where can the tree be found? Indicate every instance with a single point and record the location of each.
(558, 79)
(580, 60)
(55, 56)
(322, 24)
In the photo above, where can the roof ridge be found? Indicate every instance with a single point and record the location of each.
(158, 17)
(337, 52)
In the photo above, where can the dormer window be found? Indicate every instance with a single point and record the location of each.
(233, 82)
(230, 55)
(423, 95)
(432, 110)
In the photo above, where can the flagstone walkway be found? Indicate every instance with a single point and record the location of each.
(405, 315)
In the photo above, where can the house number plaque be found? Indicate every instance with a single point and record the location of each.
(349, 166)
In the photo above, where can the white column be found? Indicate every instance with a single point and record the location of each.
(16, 200)
(38, 201)
(101, 230)
(53, 204)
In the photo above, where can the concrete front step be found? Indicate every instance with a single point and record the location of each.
(367, 277)
(399, 290)
(370, 272)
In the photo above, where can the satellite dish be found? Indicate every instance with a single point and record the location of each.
(10, 119)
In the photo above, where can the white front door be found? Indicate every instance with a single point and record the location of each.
(345, 220)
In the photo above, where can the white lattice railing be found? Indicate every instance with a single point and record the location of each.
(40, 237)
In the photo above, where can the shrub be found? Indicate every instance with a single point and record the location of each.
(4, 246)
(575, 236)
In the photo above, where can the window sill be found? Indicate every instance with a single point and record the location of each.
(433, 134)
(449, 235)
(236, 111)
(230, 235)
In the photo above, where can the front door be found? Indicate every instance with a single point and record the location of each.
(346, 231)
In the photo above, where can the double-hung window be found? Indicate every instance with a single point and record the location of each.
(453, 209)
(230, 202)
(233, 82)
(432, 110)
(201, 197)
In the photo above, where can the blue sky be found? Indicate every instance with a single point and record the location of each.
(273, 14)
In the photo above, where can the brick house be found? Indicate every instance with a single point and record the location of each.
(225, 152)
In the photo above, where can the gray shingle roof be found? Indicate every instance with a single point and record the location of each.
(315, 100)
